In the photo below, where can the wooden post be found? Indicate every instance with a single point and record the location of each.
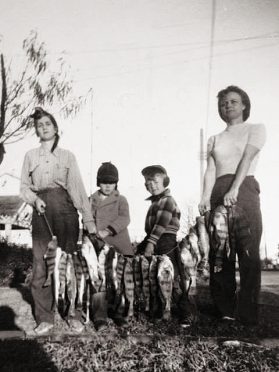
(8, 232)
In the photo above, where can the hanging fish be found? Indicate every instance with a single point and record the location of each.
(114, 270)
(137, 275)
(119, 295)
(80, 278)
(204, 246)
(139, 299)
(62, 275)
(56, 276)
(153, 284)
(193, 241)
(203, 237)
(129, 285)
(49, 258)
(145, 281)
(165, 280)
(189, 264)
(89, 253)
(220, 233)
(111, 276)
(71, 284)
(102, 267)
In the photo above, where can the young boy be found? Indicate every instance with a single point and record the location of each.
(110, 212)
(162, 224)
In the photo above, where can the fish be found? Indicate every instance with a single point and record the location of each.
(49, 258)
(189, 265)
(89, 253)
(102, 267)
(193, 240)
(111, 276)
(165, 278)
(119, 272)
(80, 278)
(220, 232)
(145, 282)
(203, 237)
(153, 284)
(114, 270)
(119, 294)
(139, 299)
(203, 267)
(62, 275)
(56, 276)
(129, 285)
(71, 284)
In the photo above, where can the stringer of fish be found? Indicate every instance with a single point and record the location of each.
(165, 280)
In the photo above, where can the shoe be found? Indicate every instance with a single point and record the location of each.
(76, 325)
(43, 328)
(229, 318)
(100, 325)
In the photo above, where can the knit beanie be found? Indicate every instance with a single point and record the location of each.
(107, 173)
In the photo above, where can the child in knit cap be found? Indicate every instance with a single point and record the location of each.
(111, 215)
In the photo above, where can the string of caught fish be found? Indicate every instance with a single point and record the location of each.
(143, 283)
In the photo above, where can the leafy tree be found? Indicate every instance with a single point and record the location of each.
(35, 85)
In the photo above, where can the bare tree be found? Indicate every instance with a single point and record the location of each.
(35, 85)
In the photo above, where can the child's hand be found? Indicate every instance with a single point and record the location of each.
(149, 250)
(103, 234)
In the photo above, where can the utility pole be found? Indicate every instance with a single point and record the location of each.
(202, 160)
(91, 139)
(203, 131)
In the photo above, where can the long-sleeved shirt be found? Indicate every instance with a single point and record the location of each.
(162, 217)
(44, 169)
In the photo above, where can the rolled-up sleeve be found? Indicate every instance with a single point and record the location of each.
(26, 193)
(76, 190)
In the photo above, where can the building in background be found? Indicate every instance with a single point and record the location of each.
(15, 214)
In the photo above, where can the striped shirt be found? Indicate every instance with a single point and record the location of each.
(162, 217)
(44, 169)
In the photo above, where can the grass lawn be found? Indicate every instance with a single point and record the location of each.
(143, 345)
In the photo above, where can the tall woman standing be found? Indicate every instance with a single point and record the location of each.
(229, 181)
(51, 183)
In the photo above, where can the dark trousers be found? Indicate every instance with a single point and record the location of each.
(63, 219)
(223, 284)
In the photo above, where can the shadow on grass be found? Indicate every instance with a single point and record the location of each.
(18, 355)
(24, 356)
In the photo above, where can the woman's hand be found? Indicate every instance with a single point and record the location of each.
(230, 197)
(204, 206)
(40, 206)
(90, 227)
(149, 250)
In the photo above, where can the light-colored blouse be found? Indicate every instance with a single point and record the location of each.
(227, 147)
(44, 169)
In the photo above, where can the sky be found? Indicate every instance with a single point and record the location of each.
(155, 68)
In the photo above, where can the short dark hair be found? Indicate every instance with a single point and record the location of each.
(37, 115)
(244, 98)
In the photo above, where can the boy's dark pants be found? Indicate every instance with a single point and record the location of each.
(63, 219)
(223, 284)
